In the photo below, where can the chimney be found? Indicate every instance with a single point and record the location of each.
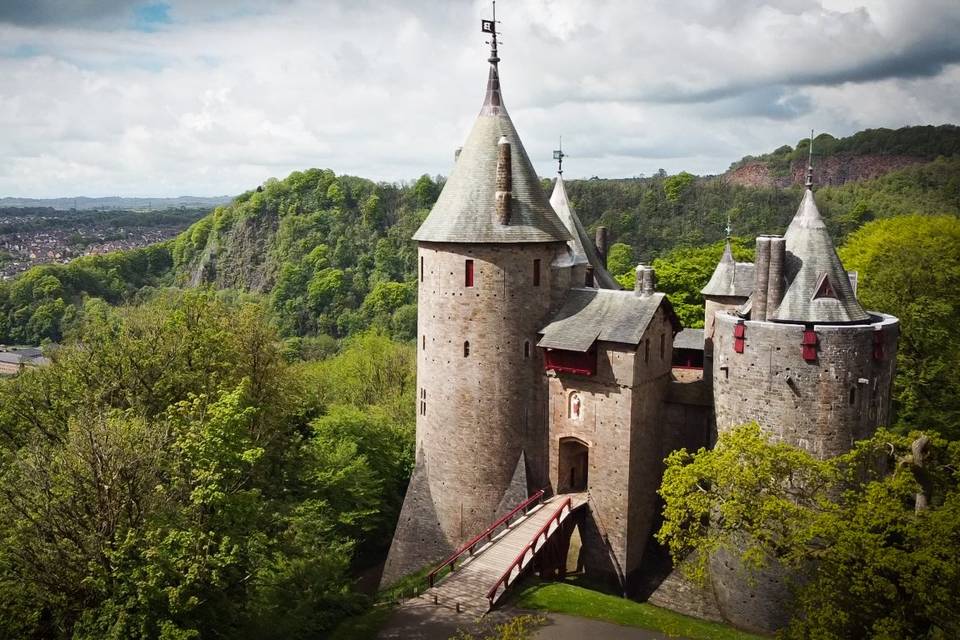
(761, 279)
(601, 244)
(646, 281)
(504, 181)
(778, 252)
(649, 281)
(638, 283)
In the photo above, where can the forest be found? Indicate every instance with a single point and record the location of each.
(228, 416)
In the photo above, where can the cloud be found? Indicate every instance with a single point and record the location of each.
(211, 97)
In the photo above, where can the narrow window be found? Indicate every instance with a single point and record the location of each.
(421, 268)
(423, 402)
(526, 349)
(424, 343)
(536, 272)
(662, 342)
(468, 274)
(853, 395)
(466, 348)
(646, 350)
(588, 277)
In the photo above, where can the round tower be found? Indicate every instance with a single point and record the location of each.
(805, 361)
(484, 254)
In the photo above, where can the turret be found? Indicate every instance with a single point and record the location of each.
(804, 360)
(485, 283)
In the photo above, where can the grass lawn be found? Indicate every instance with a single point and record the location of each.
(562, 597)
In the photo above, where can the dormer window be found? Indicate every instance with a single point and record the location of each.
(825, 288)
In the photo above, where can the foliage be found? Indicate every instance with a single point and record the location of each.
(909, 267)
(333, 253)
(923, 141)
(884, 566)
(563, 597)
(40, 304)
(169, 475)
(684, 272)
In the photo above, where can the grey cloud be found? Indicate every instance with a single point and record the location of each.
(59, 12)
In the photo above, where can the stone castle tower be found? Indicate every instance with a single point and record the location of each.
(485, 289)
(803, 359)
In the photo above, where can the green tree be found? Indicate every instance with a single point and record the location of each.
(864, 532)
(620, 259)
(909, 267)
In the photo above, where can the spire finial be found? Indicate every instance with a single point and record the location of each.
(492, 103)
(729, 228)
(810, 163)
(490, 26)
(558, 155)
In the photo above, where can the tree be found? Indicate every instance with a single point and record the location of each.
(874, 521)
(909, 267)
(620, 259)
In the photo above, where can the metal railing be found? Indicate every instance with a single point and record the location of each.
(531, 548)
(486, 536)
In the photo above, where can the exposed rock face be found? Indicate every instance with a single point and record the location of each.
(240, 257)
(832, 170)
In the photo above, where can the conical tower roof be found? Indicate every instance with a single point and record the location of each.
(580, 245)
(818, 287)
(465, 210)
(730, 278)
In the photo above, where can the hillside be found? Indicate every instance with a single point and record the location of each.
(332, 255)
(865, 155)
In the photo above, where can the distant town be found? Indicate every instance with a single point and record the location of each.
(34, 235)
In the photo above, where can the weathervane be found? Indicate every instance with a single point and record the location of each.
(810, 163)
(559, 155)
(490, 26)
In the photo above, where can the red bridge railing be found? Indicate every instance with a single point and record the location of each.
(486, 536)
(527, 553)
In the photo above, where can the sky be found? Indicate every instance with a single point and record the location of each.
(213, 97)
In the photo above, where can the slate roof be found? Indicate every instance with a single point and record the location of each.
(465, 210)
(588, 315)
(810, 257)
(580, 245)
(689, 339)
(730, 278)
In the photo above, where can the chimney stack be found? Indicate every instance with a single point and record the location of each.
(601, 244)
(646, 281)
(761, 279)
(504, 181)
(778, 252)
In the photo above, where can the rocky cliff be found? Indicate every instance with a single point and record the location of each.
(832, 170)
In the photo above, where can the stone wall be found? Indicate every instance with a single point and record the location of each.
(620, 415)
(480, 391)
(822, 406)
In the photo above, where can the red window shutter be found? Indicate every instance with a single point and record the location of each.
(468, 274)
(809, 345)
(739, 336)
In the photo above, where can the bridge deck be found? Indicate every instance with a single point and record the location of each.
(469, 584)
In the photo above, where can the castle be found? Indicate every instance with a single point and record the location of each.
(535, 370)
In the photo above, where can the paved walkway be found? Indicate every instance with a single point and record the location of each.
(421, 621)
